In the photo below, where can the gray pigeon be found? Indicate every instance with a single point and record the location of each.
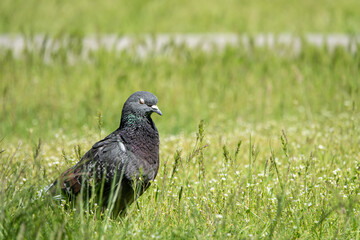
(121, 166)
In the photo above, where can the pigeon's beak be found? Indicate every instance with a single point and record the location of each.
(156, 109)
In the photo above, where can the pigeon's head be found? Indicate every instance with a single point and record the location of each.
(141, 104)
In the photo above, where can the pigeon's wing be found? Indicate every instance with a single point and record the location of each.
(105, 160)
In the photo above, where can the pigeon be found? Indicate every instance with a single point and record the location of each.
(119, 168)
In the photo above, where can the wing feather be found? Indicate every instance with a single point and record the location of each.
(106, 159)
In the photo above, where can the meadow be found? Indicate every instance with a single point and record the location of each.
(123, 17)
(253, 144)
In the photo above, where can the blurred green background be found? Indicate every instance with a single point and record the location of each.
(238, 84)
(109, 16)
(191, 85)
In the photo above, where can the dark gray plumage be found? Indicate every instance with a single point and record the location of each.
(130, 153)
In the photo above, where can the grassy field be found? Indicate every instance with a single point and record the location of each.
(138, 16)
(281, 134)
(276, 157)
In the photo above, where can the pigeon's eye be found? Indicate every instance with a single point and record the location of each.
(141, 101)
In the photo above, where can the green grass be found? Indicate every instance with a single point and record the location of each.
(279, 156)
(222, 88)
(138, 16)
(300, 185)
